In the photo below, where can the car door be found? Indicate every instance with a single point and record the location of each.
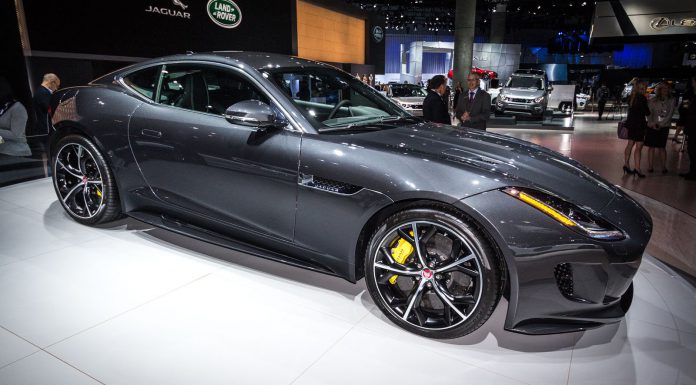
(193, 158)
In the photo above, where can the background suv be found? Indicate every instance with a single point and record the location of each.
(526, 91)
(408, 96)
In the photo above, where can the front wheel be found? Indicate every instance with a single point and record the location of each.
(433, 273)
(83, 181)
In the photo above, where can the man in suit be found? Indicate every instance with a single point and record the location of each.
(434, 107)
(42, 98)
(474, 105)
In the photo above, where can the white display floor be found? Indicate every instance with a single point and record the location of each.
(129, 305)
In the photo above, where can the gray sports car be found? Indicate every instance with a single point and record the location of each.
(299, 162)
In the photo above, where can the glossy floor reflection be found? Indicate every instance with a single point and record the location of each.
(670, 199)
(128, 304)
(595, 144)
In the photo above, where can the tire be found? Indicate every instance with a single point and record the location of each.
(83, 181)
(455, 293)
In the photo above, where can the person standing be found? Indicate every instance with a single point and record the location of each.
(602, 96)
(458, 89)
(660, 120)
(13, 123)
(687, 120)
(42, 98)
(434, 106)
(637, 125)
(474, 105)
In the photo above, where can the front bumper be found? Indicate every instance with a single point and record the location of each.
(532, 108)
(560, 280)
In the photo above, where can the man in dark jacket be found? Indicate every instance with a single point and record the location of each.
(602, 96)
(474, 105)
(434, 107)
(42, 98)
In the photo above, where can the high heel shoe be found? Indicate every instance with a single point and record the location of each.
(627, 170)
(638, 173)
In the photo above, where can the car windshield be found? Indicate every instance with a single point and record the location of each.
(333, 100)
(525, 82)
(400, 91)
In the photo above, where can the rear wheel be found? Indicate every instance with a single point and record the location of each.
(83, 181)
(433, 273)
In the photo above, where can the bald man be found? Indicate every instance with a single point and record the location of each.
(42, 98)
(474, 104)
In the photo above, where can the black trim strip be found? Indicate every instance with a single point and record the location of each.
(625, 24)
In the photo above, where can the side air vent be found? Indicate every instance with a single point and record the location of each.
(329, 185)
(474, 159)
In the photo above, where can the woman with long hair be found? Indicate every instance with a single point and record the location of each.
(660, 120)
(637, 125)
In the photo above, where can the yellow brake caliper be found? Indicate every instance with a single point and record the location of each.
(400, 252)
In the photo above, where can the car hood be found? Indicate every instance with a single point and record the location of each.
(410, 99)
(522, 93)
(515, 162)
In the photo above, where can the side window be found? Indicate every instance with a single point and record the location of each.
(144, 81)
(184, 86)
(205, 88)
(226, 88)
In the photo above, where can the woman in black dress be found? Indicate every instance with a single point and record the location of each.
(659, 123)
(637, 125)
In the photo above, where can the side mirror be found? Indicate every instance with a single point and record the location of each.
(253, 113)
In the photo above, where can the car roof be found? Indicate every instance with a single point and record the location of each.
(530, 71)
(397, 85)
(256, 60)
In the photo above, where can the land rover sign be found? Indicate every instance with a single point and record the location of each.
(224, 13)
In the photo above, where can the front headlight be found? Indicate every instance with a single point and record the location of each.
(502, 97)
(539, 99)
(577, 218)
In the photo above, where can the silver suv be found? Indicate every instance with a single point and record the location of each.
(408, 96)
(526, 91)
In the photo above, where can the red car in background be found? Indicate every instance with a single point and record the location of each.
(485, 74)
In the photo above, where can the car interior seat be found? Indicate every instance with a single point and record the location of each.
(195, 95)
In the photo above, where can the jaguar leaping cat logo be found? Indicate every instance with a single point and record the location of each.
(180, 4)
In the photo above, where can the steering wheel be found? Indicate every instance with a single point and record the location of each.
(338, 106)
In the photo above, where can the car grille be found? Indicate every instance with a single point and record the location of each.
(564, 279)
(517, 100)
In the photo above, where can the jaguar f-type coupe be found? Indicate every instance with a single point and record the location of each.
(299, 162)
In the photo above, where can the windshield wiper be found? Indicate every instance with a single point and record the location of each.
(361, 127)
(383, 122)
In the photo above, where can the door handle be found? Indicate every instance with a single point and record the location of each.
(152, 133)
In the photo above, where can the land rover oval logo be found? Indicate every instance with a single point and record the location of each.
(377, 33)
(224, 13)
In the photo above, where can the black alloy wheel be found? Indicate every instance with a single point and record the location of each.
(83, 181)
(433, 273)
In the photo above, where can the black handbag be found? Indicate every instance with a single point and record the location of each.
(622, 130)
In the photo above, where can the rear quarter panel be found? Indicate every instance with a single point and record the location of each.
(101, 113)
